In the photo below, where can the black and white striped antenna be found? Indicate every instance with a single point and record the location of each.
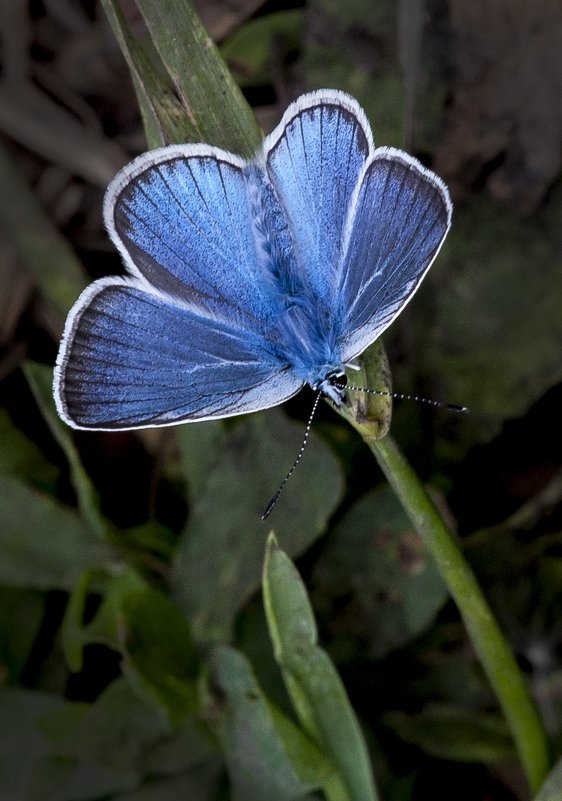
(451, 407)
(293, 467)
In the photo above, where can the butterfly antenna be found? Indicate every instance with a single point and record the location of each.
(451, 407)
(281, 487)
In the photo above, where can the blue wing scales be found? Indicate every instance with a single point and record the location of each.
(398, 221)
(248, 277)
(314, 159)
(130, 358)
(183, 222)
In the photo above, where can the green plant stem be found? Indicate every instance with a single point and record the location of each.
(494, 652)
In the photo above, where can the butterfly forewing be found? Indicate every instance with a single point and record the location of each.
(182, 218)
(314, 159)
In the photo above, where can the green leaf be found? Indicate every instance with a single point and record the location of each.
(160, 658)
(162, 114)
(30, 770)
(380, 576)
(552, 787)
(219, 555)
(253, 49)
(59, 725)
(116, 731)
(252, 638)
(212, 101)
(190, 96)
(21, 615)
(316, 690)
(105, 627)
(464, 306)
(44, 545)
(455, 734)
(40, 379)
(59, 779)
(22, 458)
(22, 745)
(311, 765)
(257, 759)
(198, 446)
(123, 734)
(185, 748)
(149, 536)
(152, 634)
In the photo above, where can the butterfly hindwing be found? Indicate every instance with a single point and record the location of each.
(399, 218)
(130, 358)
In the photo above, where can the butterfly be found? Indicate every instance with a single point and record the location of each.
(248, 279)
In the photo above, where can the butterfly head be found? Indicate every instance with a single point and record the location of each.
(333, 387)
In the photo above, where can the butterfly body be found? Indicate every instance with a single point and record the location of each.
(248, 280)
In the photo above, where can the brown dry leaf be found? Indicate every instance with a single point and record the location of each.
(505, 125)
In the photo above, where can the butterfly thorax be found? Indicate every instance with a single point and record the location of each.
(306, 339)
(304, 334)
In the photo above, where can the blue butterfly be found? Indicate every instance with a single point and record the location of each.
(249, 279)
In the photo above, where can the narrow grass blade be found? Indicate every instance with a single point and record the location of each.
(40, 379)
(316, 690)
(190, 96)
(494, 652)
